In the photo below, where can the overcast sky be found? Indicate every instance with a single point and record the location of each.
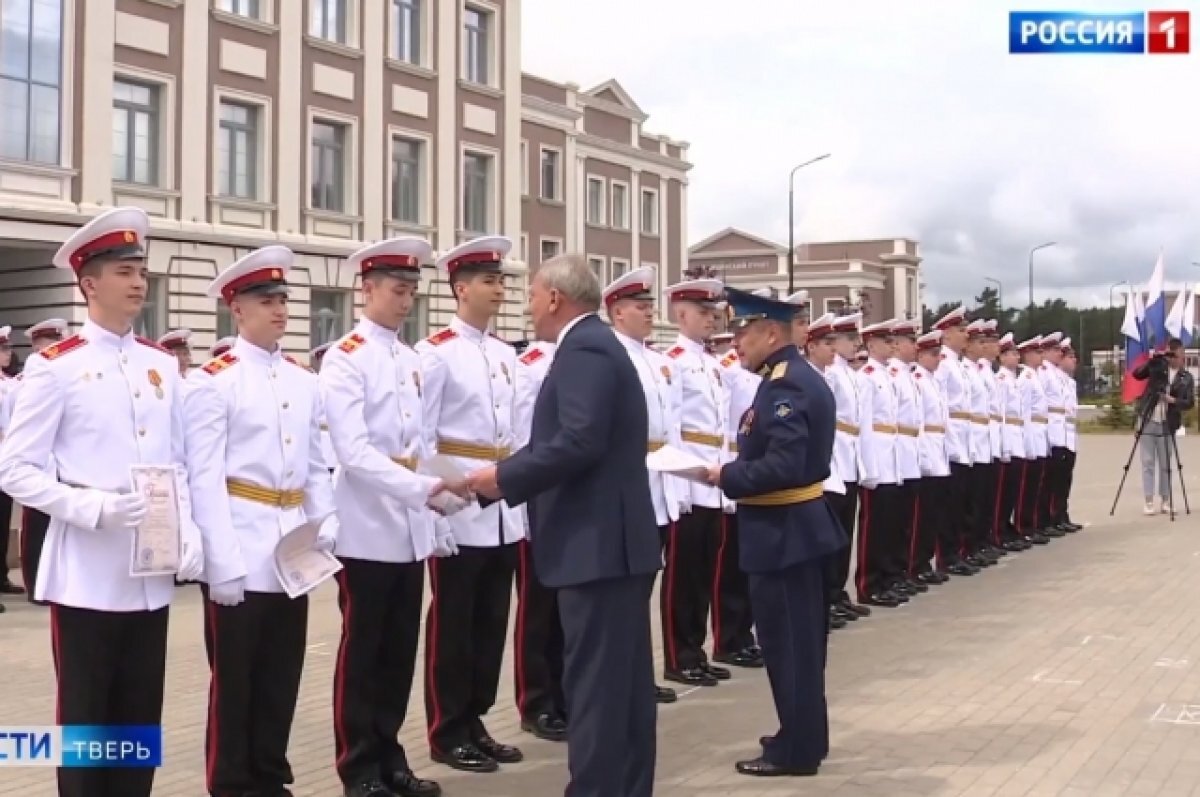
(936, 132)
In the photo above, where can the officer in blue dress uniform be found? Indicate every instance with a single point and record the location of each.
(788, 532)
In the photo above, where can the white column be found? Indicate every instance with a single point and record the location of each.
(291, 163)
(511, 185)
(195, 122)
(899, 291)
(99, 32)
(634, 210)
(374, 160)
(447, 145)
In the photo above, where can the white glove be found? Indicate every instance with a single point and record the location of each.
(444, 543)
(191, 558)
(228, 593)
(327, 536)
(121, 511)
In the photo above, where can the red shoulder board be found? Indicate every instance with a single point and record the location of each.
(352, 343)
(868, 369)
(56, 350)
(675, 352)
(532, 356)
(729, 359)
(297, 363)
(151, 343)
(441, 337)
(219, 364)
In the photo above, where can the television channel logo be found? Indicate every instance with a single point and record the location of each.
(81, 746)
(1131, 33)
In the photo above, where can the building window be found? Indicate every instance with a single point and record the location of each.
(329, 166)
(477, 28)
(550, 248)
(620, 206)
(406, 30)
(477, 192)
(408, 166)
(135, 133)
(31, 80)
(225, 327)
(152, 321)
(327, 19)
(598, 268)
(327, 315)
(416, 326)
(836, 306)
(649, 211)
(243, 8)
(237, 150)
(597, 210)
(617, 268)
(551, 174)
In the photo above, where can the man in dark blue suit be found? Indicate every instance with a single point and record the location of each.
(788, 531)
(592, 530)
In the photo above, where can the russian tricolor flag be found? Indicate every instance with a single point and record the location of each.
(1135, 349)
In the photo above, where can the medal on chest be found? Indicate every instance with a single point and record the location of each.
(747, 422)
(666, 372)
(156, 382)
(504, 370)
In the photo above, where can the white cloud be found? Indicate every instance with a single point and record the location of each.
(936, 131)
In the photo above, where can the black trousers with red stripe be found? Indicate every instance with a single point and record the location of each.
(372, 677)
(1068, 480)
(880, 526)
(1013, 477)
(692, 546)
(846, 509)
(537, 644)
(1057, 485)
(464, 641)
(956, 518)
(906, 511)
(930, 515)
(1028, 517)
(983, 506)
(34, 525)
(255, 657)
(732, 621)
(110, 668)
(6, 506)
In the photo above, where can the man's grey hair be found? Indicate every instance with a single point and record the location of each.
(571, 275)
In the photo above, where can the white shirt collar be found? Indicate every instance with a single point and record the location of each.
(689, 344)
(569, 326)
(467, 331)
(98, 334)
(372, 331)
(630, 343)
(246, 350)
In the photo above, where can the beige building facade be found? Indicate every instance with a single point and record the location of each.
(318, 124)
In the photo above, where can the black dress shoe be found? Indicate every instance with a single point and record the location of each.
(664, 694)
(916, 586)
(902, 588)
(1069, 528)
(854, 608)
(3, 609)
(500, 753)
(885, 599)
(546, 727)
(1013, 545)
(466, 758)
(835, 623)
(741, 658)
(9, 588)
(761, 768)
(406, 784)
(842, 613)
(1050, 531)
(1037, 538)
(929, 578)
(901, 597)
(692, 676)
(1074, 525)
(720, 673)
(369, 788)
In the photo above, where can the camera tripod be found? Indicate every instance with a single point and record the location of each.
(1170, 446)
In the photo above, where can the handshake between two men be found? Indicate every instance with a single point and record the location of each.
(469, 488)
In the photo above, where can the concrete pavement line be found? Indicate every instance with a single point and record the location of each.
(1040, 678)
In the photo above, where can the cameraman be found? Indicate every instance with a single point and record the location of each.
(1170, 392)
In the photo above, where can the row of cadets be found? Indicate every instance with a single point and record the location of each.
(951, 375)
(108, 628)
(629, 302)
(371, 390)
(843, 381)
(256, 473)
(909, 413)
(935, 461)
(468, 400)
(7, 384)
(693, 542)
(881, 527)
(1060, 516)
(1014, 413)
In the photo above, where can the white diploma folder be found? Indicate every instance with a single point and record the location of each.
(157, 548)
(299, 564)
(677, 462)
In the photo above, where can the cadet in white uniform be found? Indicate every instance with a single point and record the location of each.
(7, 384)
(371, 392)
(976, 545)
(316, 358)
(470, 417)
(254, 458)
(909, 415)
(935, 460)
(989, 351)
(1066, 367)
(881, 525)
(694, 541)
(537, 633)
(177, 341)
(96, 404)
(951, 374)
(1014, 414)
(732, 620)
(1037, 446)
(1056, 399)
(629, 302)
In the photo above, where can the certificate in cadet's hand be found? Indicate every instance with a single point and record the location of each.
(299, 564)
(156, 546)
(677, 462)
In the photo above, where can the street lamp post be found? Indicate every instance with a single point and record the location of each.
(999, 291)
(792, 221)
(1031, 251)
(1114, 328)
